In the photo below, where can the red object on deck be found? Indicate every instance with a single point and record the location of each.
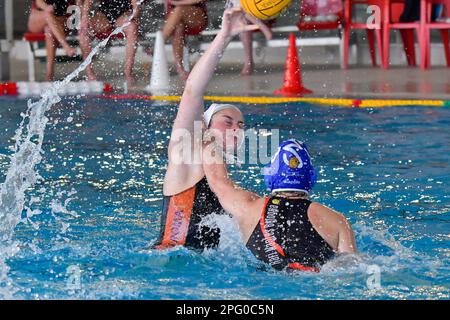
(292, 84)
(105, 35)
(373, 31)
(40, 36)
(34, 37)
(391, 12)
(428, 25)
(107, 88)
(314, 8)
(9, 89)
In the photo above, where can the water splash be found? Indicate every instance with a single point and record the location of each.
(21, 174)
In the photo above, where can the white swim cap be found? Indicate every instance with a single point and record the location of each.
(213, 109)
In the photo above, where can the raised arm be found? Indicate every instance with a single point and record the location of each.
(191, 105)
(235, 200)
(183, 172)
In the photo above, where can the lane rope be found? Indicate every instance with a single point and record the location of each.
(353, 103)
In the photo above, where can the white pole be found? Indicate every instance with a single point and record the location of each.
(9, 20)
(160, 77)
(5, 44)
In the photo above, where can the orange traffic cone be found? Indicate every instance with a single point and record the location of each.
(292, 84)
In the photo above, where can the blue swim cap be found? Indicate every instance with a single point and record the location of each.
(291, 168)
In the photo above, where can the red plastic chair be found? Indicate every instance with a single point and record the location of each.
(391, 12)
(428, 25)
(310, 8)
(350, 25)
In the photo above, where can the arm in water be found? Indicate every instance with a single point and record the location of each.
(185, 169)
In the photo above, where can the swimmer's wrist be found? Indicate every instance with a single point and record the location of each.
(224, 36)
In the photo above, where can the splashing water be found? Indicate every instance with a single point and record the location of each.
(21, 174)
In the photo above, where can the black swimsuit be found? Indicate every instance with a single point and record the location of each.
(182, 217)
(114, 9)
(285, 238)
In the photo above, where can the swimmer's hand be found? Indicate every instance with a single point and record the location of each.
(235, 21)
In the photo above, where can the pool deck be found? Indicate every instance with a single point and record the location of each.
(359, 82)
(333, 82)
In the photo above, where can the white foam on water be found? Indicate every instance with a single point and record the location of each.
(399, 259)
(231, 251)
(21, 174)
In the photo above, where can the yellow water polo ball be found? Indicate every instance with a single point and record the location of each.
(264, 9)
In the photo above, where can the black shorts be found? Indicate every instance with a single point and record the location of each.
(114, 9)
(59, 6)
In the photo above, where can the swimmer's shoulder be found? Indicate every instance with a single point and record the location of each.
(319, 211)
(332, 226)
(250, 214)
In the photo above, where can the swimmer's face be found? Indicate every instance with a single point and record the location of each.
(229, 123)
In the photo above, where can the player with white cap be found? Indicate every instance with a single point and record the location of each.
(188, 198)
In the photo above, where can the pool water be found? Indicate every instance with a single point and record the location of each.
(94, 214)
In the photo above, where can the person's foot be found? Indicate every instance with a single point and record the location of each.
(247, 69)
(91, 75)
(49, 77)
(70, 52)
(131, 79)
(183, 75)
(149, 50)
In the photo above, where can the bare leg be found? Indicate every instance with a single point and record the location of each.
(50, 44)
(56, 25)
(173, 20)
(178, 46)
(180, 19)
(247, 41)
(85, 45)
(130, 50)
(98, 24)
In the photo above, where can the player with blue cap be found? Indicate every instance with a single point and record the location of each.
(291, 169)
(285, 230)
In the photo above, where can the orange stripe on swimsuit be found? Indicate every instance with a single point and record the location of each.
(178, 218)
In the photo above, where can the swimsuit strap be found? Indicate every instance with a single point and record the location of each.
(277, 247)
